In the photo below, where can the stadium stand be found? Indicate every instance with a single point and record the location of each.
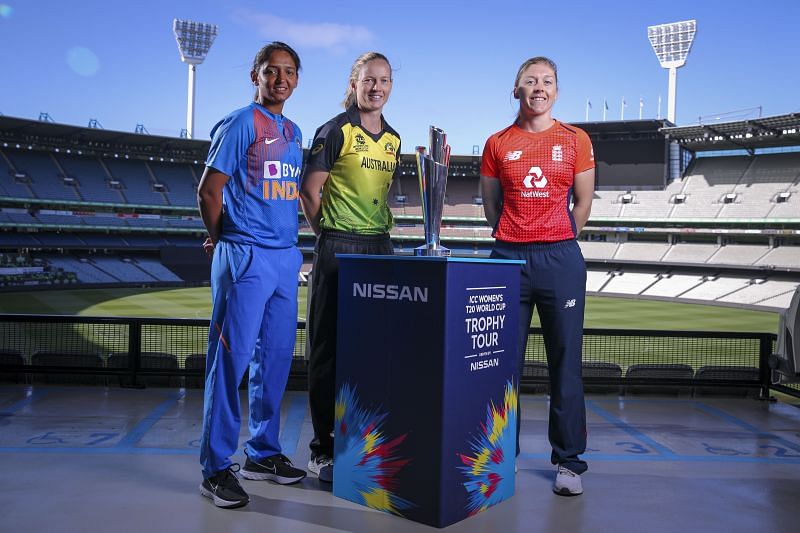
(641, 251)
(786, 256)
(631, 283)
(179, 181)
(14, 183)
(156, 269)
(137, 181)
(46, 180)
(673, 285)
(738, 254)
(689, 253)
(735, 217)
(92, 181)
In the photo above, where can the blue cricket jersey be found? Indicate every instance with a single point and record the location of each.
(262, 154)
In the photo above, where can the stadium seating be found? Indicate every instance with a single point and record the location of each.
(11, 358)
(46, 179)
(630, 283)
(137, 181)
(179, 180)
(656, 373)
(67, 359)
(601, 369)
(92, 180)
(673, 285)
(716, 372)
(148, 361)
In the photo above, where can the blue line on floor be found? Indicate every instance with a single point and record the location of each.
(290, 432)
(713, 411)
(145, 424)
(675, 458)
(115, 450)
(602, 457)
(31, 397)
(630, 430)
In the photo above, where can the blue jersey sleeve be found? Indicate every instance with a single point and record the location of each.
(230, 139)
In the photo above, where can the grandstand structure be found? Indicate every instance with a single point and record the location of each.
(92, 206)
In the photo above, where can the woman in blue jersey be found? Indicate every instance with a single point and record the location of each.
(248, 201)
(354, 156)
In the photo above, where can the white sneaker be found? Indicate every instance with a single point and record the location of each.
(322, 466)
(567, 483)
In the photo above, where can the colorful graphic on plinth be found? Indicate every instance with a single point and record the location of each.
(489, 467)
(367, 462)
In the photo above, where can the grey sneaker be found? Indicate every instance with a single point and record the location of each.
(567, 483)
(277, 468)
(322, 466)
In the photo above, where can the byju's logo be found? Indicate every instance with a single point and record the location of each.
(272, 170)
(275, 187)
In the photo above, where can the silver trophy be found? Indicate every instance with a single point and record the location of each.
(432, 172)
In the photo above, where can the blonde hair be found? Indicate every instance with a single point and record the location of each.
(534, 61)
(363, 59)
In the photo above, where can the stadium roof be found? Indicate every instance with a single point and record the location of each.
(48, 135)
(623, 129)
(766, 132)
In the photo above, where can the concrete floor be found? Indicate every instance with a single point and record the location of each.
(108, 459)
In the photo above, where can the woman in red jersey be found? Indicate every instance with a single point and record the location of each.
(537, 179)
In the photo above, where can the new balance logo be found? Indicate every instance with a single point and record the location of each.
(270, 141)
(569, 303)
(513, 156)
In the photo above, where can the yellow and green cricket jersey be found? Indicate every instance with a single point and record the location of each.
(362, 166)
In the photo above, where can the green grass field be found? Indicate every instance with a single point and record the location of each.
(616, 313)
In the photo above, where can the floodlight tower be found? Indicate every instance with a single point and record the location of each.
(194, 40)
(671, 43)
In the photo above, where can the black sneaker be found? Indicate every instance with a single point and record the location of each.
(277, 468)
(322, 466)
(223, 487)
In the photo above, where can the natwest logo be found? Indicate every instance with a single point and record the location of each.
(535, 178)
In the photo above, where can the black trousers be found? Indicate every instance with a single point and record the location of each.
(322, 326)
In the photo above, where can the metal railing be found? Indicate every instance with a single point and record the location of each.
(171, 352)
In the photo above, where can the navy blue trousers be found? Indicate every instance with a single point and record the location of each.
(554, 282)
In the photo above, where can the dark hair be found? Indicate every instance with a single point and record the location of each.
(264, 54)
(363, 59)
(534, 61)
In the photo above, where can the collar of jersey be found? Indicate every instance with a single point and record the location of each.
(354, 117)
(273, 116)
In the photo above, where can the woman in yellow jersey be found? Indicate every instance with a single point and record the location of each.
(352, 163)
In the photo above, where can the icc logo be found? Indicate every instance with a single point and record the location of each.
(535, 178)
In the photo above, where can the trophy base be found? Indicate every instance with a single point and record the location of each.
(432, 251)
